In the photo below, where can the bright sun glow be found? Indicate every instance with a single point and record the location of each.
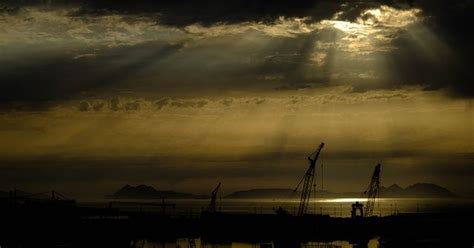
(375, 19)
(373, 31)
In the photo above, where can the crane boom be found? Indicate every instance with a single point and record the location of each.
(212, 205)
(372, 191)
(307, 180)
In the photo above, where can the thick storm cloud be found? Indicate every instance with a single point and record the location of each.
(76, 46)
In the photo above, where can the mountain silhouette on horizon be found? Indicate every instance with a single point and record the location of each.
(421, 190)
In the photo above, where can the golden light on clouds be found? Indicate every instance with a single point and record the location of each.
(374, 29)
(241, 125)
(389, 17)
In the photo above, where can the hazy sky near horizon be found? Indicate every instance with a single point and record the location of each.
(184, 94)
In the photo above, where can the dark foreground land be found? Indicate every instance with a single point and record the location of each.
(63, 224)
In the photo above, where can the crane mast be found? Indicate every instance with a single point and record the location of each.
(372, 191)
(307, 180)
(212, 205)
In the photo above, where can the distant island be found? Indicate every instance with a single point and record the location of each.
(420, 190)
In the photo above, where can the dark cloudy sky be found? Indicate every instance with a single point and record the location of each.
(182, 94)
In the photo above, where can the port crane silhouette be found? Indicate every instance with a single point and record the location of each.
(372, 193)
(212, 208)
(307, 181)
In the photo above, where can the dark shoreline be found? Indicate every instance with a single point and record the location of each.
(53, 225)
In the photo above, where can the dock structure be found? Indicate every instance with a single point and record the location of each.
(58, 221)
(31, 223)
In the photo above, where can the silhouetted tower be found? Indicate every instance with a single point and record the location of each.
(372, 191)
(307, 180)
(212, 205)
